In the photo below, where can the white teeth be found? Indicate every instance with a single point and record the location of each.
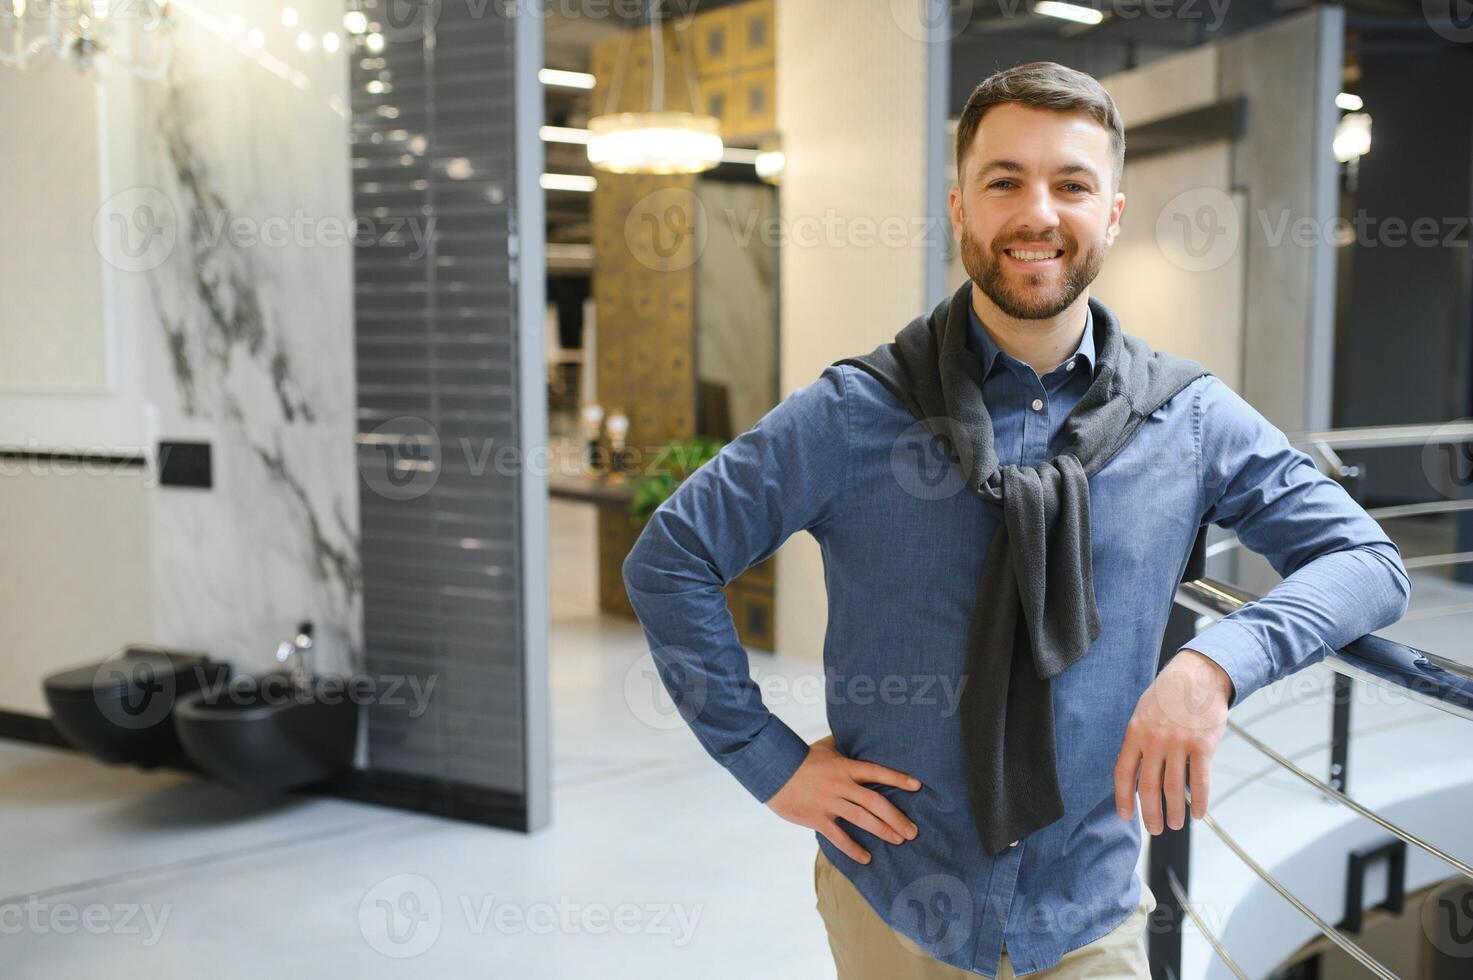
(1033, 256)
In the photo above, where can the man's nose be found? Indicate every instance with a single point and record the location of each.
(1037, 212)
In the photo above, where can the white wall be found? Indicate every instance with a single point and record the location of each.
(1197, 269)
(245, 341)
(1190, 310)
(51, 336)
(75, 573)
(856, 113)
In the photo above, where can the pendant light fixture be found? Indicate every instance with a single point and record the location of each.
(657, 141)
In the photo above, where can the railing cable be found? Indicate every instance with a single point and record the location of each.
(1331, 791)
(1330, 932)
(1181, 900)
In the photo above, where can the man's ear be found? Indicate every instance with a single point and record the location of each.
(1116, 210)
(954, 202)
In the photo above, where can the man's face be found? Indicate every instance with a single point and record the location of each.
(1035, 209)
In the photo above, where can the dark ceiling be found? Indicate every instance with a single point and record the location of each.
(986, 35)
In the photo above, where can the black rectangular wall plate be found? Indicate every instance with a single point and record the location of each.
(184, 464)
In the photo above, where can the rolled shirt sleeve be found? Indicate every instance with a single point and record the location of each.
(1342, 576)
(783, 475)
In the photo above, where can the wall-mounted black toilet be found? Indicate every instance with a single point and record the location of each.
(120, 710)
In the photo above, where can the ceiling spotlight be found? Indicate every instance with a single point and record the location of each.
(1068, 11)
(1352, 137)
(568, 182)
(565, 79)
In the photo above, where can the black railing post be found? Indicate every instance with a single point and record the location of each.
(1170, 851)
(1463, 520)
(1353, 479)
(1340, 732)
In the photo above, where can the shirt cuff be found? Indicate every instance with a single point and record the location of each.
(1235, 649)
(769, 760)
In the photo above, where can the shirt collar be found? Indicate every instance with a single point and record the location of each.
(982, 341)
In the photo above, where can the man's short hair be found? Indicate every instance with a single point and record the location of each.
(1042, 85)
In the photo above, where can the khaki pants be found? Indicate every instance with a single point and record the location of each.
(865, 947)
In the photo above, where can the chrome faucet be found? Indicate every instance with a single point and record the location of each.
(295, 650)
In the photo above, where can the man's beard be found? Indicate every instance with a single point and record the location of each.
(985, 269)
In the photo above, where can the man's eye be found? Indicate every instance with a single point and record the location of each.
(999, 183)
(1075, 188)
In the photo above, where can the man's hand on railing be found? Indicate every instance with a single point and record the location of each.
(829, 785)
(1171, 738)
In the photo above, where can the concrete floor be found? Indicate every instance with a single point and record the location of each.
(108, 871)
(657, 864)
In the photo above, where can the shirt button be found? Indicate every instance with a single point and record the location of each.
(1069, 366)
(1013, 844)
(1037, 404)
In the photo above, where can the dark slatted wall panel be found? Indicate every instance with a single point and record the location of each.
(433, 185)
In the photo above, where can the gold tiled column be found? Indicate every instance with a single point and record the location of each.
(646, 237)
(643, 285)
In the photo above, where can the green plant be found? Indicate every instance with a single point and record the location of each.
(676, 461)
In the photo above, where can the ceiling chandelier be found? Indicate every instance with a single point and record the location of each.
(131, 33)
(657, 141)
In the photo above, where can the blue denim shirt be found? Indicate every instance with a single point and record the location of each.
(903, 543)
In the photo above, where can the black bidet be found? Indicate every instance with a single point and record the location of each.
(270, 731)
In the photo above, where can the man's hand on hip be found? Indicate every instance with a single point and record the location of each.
(828, 785)
(1175, 729)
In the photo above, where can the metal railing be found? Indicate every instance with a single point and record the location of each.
(1325, 447)
(1426, 678)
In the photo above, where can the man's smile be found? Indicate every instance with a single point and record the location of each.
(1036, 257)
